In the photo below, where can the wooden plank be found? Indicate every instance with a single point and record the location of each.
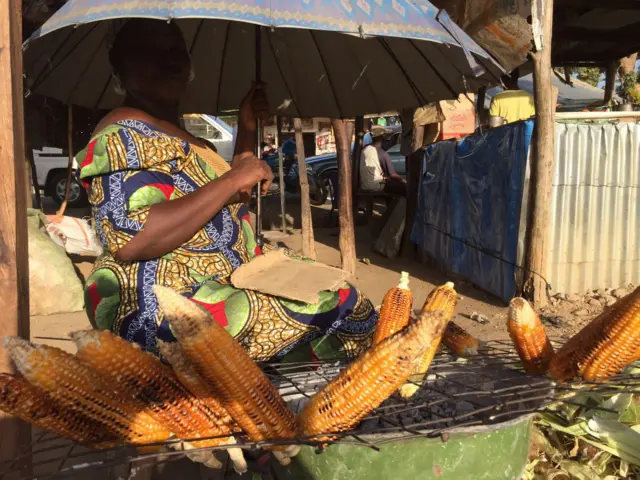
(535, 286)
(308, 244)
(347, 239)
(14, 255)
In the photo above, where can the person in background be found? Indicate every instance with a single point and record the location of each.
(376, 170)
(366, 139)
(513, 104)
(290, 154)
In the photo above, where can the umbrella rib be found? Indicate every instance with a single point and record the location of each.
(442, 79)
(195, 37)
(224, 56)
(416, 92)
(284, 79)
(324, 65)
(104, 89)
(39, 80)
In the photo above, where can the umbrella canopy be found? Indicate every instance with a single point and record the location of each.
(333, 58)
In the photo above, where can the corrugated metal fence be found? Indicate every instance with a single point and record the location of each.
(595, 206)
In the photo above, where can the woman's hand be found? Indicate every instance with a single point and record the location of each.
(254, 105)
(248, 170)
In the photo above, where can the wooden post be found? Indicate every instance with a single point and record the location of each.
(14, 255)
(283, 213)
(63, 207)
(535, 287)
(308, 244)
(610, 82)
(345, 203)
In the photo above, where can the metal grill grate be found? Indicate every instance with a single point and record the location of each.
(487, 389)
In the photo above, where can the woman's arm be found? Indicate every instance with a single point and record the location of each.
(253, 105)
(171, 224)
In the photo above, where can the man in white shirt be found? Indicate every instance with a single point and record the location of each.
(376, 170)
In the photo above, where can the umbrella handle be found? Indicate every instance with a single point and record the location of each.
(258, 229)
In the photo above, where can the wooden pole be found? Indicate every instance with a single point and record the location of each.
(345, 195)
(308, 244)
(535, 287)
(283, 212)
(63, 207)
(610, 82)
(14, 255)
(34, 175)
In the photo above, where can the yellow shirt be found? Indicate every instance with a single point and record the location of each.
(513, 105)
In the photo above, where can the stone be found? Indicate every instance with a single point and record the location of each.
(582, 312)
(610, 301)
(601, 292)
(574, 298)
(594, 303)
(619, 293)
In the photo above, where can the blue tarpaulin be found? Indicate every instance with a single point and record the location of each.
(469, 205)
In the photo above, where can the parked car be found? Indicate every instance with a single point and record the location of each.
(214, 130)
(51, 172)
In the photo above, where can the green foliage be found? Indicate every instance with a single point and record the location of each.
(628, 88)
(590, 75)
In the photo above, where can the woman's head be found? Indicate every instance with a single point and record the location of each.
(151, 60)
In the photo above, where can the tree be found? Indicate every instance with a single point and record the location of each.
(590, 75)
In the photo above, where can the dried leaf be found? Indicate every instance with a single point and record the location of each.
(578, 471)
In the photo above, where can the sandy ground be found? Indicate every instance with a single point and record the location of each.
(374, 278)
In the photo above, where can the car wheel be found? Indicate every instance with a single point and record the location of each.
(57, 186)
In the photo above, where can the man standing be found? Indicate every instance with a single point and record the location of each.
(376, 170)
(289, 154)
(513, 104)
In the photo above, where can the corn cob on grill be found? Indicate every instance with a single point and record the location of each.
(148, 381)
(396, 310)
(605, 346)
(441, 299)
(245, 392)
(529, 336)
(21, 399)
(72, 383)
(371, 379)
(192, 381)
(461, 342)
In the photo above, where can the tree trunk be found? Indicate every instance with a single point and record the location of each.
(308, 244)
(14, 255)
(535, 286)
(345, 202)
(610, 82)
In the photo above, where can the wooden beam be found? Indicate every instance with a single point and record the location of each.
(345, 194)
(535, 287)
(308, 243)
(14, 255)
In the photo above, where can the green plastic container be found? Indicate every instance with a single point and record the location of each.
(496, 452)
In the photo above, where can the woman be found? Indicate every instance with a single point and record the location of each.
(168, 211)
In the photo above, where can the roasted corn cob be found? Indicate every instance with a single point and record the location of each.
(75, 385)
(529, 336)
(371, 379)
(461, 342)
(605, 346)
(395, 312)
(244, 391)
(21, 399)
(148, 381)
(441, 299)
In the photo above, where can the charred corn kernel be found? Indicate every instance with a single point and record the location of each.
(395, 312)
(244, 391)
(529, 336)
(441, 299)
(605, 346)
(73, 384)
(372, 378)
(21, 399)
(147, 380)
(461, 342)
(192, 381)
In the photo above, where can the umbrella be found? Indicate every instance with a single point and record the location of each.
(332, 58)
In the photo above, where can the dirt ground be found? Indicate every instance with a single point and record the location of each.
(375, 275)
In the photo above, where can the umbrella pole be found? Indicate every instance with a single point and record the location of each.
(14, 267)
(306, 218)
(259, 238)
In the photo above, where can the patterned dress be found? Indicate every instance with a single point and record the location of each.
(131, 166)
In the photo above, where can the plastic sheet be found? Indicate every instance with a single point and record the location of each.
(469, 205)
